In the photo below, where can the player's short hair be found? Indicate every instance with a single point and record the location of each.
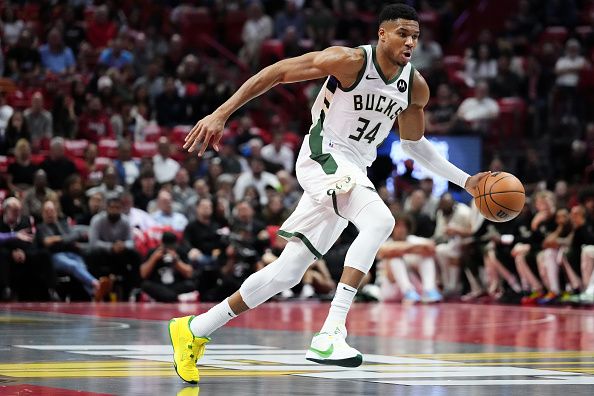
(395, 11)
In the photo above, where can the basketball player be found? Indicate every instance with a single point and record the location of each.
(366, 90)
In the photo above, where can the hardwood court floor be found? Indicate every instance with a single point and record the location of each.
(448, 349)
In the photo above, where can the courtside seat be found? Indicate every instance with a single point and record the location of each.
(108, 148)
(512, 116)
(76, 148)
(554, 34)
(144, 149)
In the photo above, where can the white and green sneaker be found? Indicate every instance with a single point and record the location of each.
(332, 349)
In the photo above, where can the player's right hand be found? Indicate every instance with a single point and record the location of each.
(207, 130)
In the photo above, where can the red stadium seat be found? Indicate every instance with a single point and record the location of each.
(178, 133)
(76, 148)
(102, 162)
(271, 51)
(234, 20)
(195, 23)
(145, 149)
(554, 34)
(583, 31)
(3, 164)
(512, 116)
(152, 132)
(108, 148)
(455, 62)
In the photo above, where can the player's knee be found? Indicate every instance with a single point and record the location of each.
(382, 226)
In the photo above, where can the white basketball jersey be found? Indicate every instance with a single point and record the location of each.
(353, 122)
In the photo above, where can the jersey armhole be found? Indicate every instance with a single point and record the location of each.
(411, 78)
(359, 76)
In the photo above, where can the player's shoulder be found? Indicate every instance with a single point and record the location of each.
(420, 89)
(345, 54)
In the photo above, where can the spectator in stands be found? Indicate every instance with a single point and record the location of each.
(579, 253)
(170, 107)
(231, 161)
(290, 17)
(257, 177)
(174, 55)
(6, 112)
(112, 247)
(423, 226)
(201, 191)
(74, 32)
(350, 27)
(126, 167)
(110, 186)
(73, 201)
(568, 68)
(164, 166)
(549, 260)
(452, 226)
(478, 111)
(64, 117)
(146, 189)
(529, 244)
(405, 250)
(204, 235)
(24, 271)
(320, 25)
(55, 56)
(291, 44)
(166, 216)
(35, 196)
(507, 82)
(116, 55)
(138, 218)
(165, 274)
(480, 66)
(11, 26)
(62, 242)
(440, 115)
(21, 172)
(16, 130)
(39, 120)
(152, 82)
(426, 52)
(275, 213)
(92, 173)
(279, 153)
(100, 29)
(182, 192)
(256, 29)
(96, 204)
(57, 166)
(289, 188)
(23, 60)
(93, 123)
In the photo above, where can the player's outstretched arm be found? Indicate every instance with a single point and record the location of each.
(344, 63)
(411, 123)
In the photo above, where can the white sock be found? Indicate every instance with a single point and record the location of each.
(205, 324)
(341, 303)
(552, 269)
(400, 272)
(427, 271)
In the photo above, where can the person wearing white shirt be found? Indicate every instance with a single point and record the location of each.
(165, 216)
(255, 177)
(164, 167)
(279, 153)
(480, 109)
(256, 29)
(453, 224)
(137, 218)
(568, 67)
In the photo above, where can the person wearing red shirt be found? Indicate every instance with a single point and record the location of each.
(101, 30)
(94, 123)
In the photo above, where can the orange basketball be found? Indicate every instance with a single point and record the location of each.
(500, 196)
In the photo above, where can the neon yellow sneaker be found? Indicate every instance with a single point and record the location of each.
(187, 349)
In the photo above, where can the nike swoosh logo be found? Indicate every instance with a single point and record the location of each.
(325, 354)
(352, 291)
(371, 78)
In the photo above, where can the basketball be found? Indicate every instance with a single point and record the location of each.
(500, 196)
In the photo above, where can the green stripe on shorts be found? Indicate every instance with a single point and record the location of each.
(286, 234)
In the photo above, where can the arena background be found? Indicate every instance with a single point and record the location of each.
(96, 98)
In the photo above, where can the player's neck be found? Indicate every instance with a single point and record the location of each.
(388, 69)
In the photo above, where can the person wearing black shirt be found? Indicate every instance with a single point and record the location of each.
(165, 274)
(57, 166)
(202, 235)
(23, 60)
(23, 268)
(22, 170)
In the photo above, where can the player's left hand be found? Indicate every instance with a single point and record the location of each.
(473, 181)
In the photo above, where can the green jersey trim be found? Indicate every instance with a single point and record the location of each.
(359, 76)
(411, 78)
(329, 165)
(306, 242)
(379, 70)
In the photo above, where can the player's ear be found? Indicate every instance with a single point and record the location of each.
(381, 33)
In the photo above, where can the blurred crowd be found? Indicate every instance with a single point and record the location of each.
(99, 201)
